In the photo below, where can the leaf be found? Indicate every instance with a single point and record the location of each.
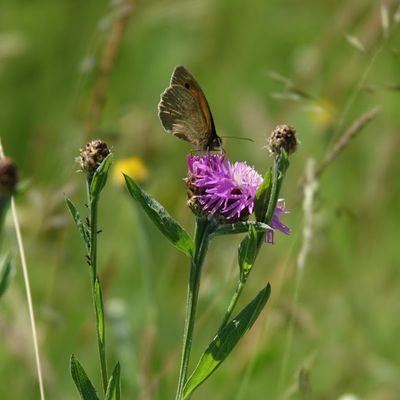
(262, 197)
(83, 230)
(114, 385)
(282, 164)
(247, 253)
(240, 227)
(98, 304)
(225, 341)
(99, 178)
(82, 382)
(161, 218)
(278, 173)
(5, 274)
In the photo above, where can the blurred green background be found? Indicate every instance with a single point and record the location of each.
(315, 65)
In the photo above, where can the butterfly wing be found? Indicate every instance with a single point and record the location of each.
(184, 111)
(180, 114)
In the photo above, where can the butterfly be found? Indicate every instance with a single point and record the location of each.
(184, 111)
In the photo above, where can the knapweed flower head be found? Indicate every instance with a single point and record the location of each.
(220, 188)
(276, 224)
(92, 156)
(282, 137)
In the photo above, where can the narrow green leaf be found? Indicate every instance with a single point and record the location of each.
(225, 341)
(262, 197)
(247, 252)
(99, 178)
(82, 381)
(98, 303)
(240, 227)
(5, 274)
(114, 385)
(161, 218)
(283, 164)
(82, 228)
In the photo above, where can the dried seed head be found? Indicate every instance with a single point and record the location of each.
(283, 136)
(92, 156)
(8, 176)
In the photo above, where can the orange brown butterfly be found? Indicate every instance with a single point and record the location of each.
(184, 111)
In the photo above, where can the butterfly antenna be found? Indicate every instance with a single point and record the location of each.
(238, 137)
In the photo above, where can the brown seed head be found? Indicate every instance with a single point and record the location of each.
(283, 136)
(92, 156)
(8, 176)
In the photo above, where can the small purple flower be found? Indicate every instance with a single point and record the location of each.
(276, 224)
(215, 186)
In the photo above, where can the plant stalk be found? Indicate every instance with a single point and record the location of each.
(93, 209)
(277, 178)
(232, 304)
(201, 239)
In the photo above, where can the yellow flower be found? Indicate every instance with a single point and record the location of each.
(132, 166)
(323, 112)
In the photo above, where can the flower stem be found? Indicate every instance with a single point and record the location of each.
(232, 304)
(277, 178)
(97, 298)
(201, 239)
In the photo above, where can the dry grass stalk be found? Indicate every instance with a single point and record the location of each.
(344, 140)
(107, 60)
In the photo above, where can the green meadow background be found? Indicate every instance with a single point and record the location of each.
(330, 329)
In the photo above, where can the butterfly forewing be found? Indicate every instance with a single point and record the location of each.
(184, 111)
(180, 114)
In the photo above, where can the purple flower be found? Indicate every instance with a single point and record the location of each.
(226, 190)
(215, 186)
(275, 223)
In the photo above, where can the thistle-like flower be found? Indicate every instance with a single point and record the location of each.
(276, 224)
(217, 187)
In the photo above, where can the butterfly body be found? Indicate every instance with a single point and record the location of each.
(184, 112)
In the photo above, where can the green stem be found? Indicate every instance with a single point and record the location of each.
(202, 232)
(275, 189)
(232, 304)
(99, 311)
(277, 178)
